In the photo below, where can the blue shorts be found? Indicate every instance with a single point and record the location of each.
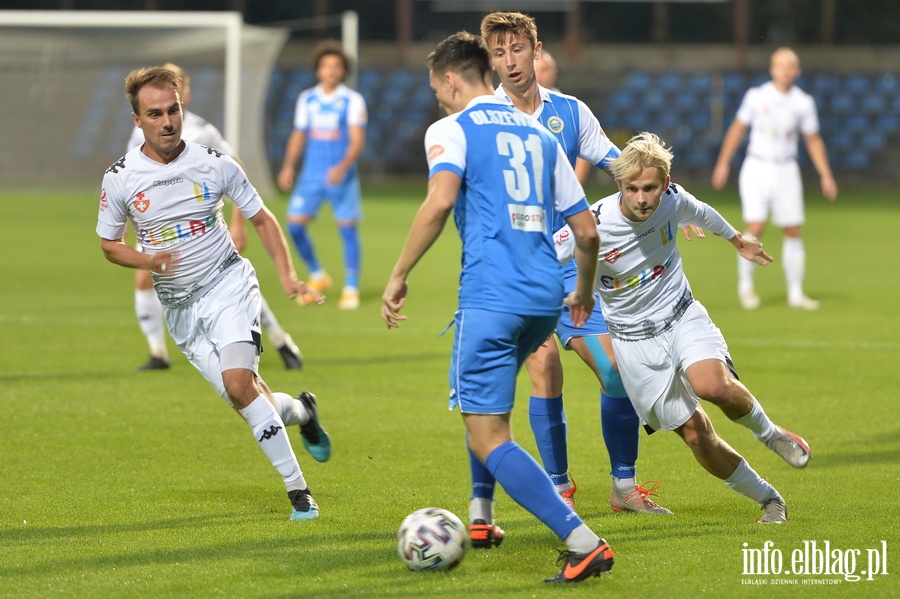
(595, 325)
(489, 349)
(308, 197)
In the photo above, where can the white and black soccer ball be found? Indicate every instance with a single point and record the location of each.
(431, 539)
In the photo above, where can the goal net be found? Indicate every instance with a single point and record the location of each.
(62, 83)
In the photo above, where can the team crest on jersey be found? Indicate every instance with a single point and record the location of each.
(612, 256)
(555, 124)
(141, 204)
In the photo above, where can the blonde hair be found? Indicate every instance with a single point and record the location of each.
(643, 150)
(158, 77)
(789, 52)
(498, 26)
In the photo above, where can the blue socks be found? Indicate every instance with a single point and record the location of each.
(548, 421)
(621, 429)
(482, 480)
(304, 246)
(350, 236)
(526, 482)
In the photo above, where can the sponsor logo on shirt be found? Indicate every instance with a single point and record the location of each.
(103, 203)
(175, 233)
(645, 277)
(168, 182)
(435, 151)
(527, 218)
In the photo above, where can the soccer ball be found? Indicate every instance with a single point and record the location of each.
(431, 539)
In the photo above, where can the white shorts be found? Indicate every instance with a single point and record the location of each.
(653, 369)
(227, 313)
(774, 188)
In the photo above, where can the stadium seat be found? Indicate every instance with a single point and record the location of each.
(874, 103)
(857, 161)
(857, 84)
(842, 102)
(638, 81)
(670, 82)
(889, 123)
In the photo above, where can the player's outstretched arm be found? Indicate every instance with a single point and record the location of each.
(750, 249)
(733, 138)
(272, 238)
(443, 188)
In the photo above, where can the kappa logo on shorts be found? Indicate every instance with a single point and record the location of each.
(141, 204)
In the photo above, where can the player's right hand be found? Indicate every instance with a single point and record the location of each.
(164, 263)
(391, 301)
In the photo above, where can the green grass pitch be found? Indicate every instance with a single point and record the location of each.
(125, 484)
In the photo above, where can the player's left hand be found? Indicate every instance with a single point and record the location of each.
(392, 300)
(335, 175)
(698, 232)
(302, 294)
(579, 308)
(751, 249)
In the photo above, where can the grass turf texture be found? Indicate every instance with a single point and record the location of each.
(125, 484)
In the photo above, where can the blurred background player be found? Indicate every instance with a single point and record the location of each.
(777, 113)
(146, 304)
(209, 291)
(330, 132)
(512, 40)
(510, 287)
(670, 352)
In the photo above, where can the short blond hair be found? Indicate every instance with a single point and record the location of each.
(789, 52)
(499, 26)
(158, 77)
(643, 150)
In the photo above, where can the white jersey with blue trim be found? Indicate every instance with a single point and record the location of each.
(178, 207)
(326, 119)
(776, 120)
(640, 278)
(194, 128)
(514, 174)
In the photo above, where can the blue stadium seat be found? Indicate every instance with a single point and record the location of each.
(858, 160)
(825, 84)
(889, 123)
(670, 82)
(734, 83)
(857, 84)
(843, 102)
(888, 84)
(857, 124)
(874, 103)
(638, 81)
(700, 83)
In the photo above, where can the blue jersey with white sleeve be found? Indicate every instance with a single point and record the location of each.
(514, 176)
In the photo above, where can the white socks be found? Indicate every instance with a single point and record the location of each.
(582, 539)
(481, 508)
(758, 422)
(624, 486)
(748, 483)
(291, 409)
(794, 264)
(268, 429)
(150, 316)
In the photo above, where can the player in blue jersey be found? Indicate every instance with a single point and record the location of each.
(502, 175)
(330, 132)
(512, 40)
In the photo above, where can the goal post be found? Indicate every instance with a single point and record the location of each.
(64, 73)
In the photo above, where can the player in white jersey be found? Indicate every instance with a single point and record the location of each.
(777, 114)
(146, 305)
(173, 191)
(670, 352)
(513, 42)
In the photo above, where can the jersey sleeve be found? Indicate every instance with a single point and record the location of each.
(445, 147)
(239, 188)
(809, 117)
(593, 144)
(356, 111)
(212, 138)
(301, 114)
(692, 211)
(568, 195)
(747, 107)
(112, 217)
